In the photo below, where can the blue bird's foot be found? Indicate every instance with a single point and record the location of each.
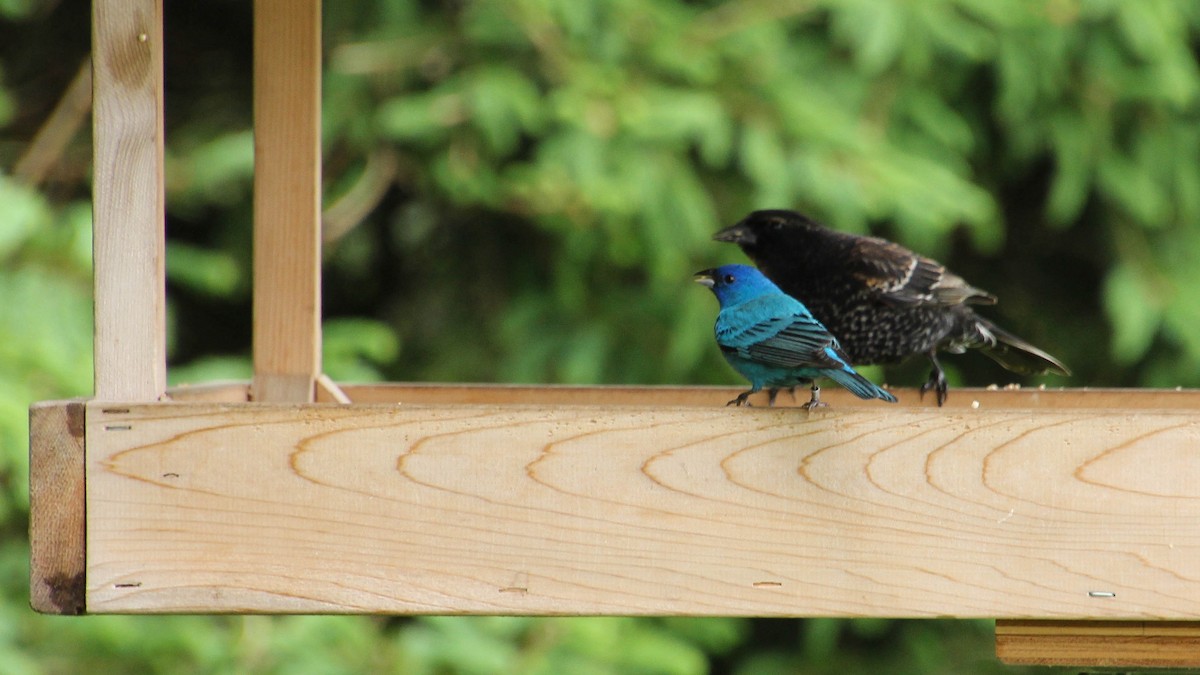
(743, 399)
(815, 401)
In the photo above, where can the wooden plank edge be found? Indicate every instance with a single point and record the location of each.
(57, 514)
(1121, 400)
(212, 392)
(1099, 644)
(429, 393)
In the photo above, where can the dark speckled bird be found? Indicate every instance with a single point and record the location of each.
(883, 302)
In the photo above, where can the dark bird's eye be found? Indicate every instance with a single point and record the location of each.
(729, 279)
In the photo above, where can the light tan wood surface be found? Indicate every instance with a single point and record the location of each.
(861, 510)
(128, 202)
(287, 199)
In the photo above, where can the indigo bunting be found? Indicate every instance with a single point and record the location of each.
(773, 340)
(883, 302)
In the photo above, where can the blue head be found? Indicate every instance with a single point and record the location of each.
(735, 284)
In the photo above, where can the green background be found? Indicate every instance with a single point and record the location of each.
(519, 191)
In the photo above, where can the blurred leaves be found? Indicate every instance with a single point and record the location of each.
(45, 324)
(353, 348)
(1136, 311)
(24, 210)
(204, 271)
(626, 132)
(16, 9)
(211, 173)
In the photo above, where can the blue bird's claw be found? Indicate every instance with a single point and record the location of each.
(743, 399)
(815, 401)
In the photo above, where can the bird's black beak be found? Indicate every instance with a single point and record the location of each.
(736, 234)
(704, 277)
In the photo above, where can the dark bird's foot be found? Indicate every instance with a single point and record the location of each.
(815, 401)
(936, 381)
(743, 399)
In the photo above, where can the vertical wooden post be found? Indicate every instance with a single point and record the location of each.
(287, 199)
(129, 241)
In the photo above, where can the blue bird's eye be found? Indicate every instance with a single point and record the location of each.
(729, 279)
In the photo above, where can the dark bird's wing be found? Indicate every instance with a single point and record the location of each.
(899, 276)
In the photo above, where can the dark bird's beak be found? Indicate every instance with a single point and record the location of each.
(704, 277)
(736, 234)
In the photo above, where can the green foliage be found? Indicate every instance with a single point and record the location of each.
(44, 353)
(204, 271)
(623, 133)
(555, 169)
(353, 347)
(16, 9)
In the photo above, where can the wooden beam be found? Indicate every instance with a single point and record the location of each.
(1099, 644)
(862, 510)
(56, 507)
(287, 199)
(128, 202)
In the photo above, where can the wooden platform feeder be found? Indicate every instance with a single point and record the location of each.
(1072, 516)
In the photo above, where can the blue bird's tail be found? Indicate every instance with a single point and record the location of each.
(861, 386)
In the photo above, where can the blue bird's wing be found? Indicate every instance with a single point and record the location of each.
(777, 331)
(803, 343)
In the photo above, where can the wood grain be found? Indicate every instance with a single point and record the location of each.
(1099, 644)
(127, 200)
(867, 510)
(287, 199)
(56, 507)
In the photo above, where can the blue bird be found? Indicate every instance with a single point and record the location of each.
(772, 339)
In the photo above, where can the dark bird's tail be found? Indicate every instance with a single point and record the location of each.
(861, 386)
(1014, 353)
